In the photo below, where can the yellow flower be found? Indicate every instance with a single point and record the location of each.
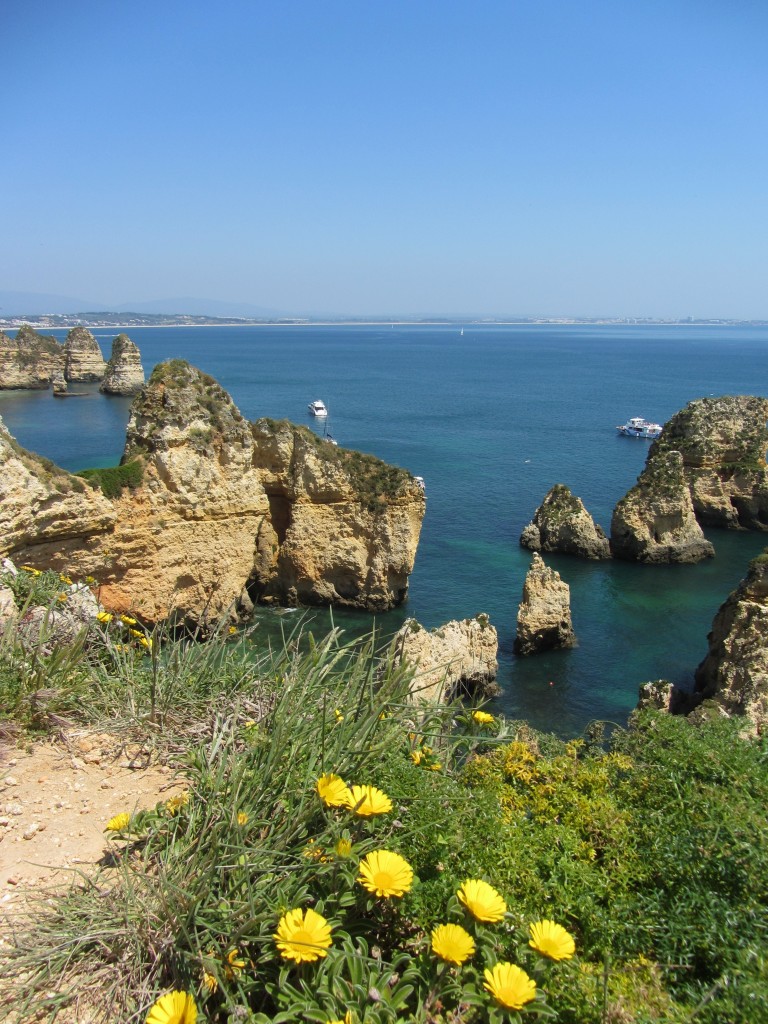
(347, 1019)
(333, 790)
(234, 965)
(368, 800)
(119, 823)
(343, 848)
(303, 935)
(173, 1008)
(312, 851)
(482, 900)
(482, 717)
(175, 803)
(385, 873)
(145, 641)
(137, 633)
(232, 630)
(339, 715)
(552, 940)
(104, 616)
(242, 818)
(435, 766)
(452, 943)
(416, 756)
(65, 579)
(61, 597)
(210, 982)
(128, 620)
(90, 580)
(509, 985)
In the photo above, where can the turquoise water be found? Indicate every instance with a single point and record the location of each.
(491, 420)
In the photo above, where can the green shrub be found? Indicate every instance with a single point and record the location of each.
(113, 479)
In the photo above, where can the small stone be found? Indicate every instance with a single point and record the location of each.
(93, 758)
(12, 881)
(10, 780)
(30, 831)
(4, 821)
(105, 785)
(16, 809)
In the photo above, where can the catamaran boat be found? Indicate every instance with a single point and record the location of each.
(638, 427)
(317, 408)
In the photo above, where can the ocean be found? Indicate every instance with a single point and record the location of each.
(491, 419)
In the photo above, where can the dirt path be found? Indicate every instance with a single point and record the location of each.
(55, 800)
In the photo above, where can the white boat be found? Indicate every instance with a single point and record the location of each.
(317, 408)
(638, 427)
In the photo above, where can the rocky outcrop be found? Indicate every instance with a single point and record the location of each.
(655, 522)
(124, 374)
(30, 360)
(544, 615)
(723, 442)
(83, 360)
(457, 659)
(210, 509)
(734, 674)
(562, 523)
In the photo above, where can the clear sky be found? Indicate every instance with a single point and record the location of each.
(602, 157)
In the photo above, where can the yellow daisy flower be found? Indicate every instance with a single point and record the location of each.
(233, 965)
(303, 935)
(173, 1008)
(385, 873)
(119, 823)
(452, 943)
(104, 616)
(242, 818)
(128, 620)
(509, 985)
(482, 900)
(175, 803)
(210, 982)
(333, 790)
(343, 848)
(552, 940)
(482, 717)
(416, 756)
(366, 801)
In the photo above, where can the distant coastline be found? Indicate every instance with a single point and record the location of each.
(130, 321)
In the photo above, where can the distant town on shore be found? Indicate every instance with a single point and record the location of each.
(53, 321)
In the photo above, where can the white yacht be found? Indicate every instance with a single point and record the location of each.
(317, 408)
(638, 427)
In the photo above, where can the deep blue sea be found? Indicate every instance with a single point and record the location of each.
(491, 419)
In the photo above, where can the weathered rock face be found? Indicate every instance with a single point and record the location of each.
(46, 513)
(219, 506)
(654, 522)
(29, 360)
(544, 616)
(723, 442)
(734, 674)
(457, 659)
(124, 374)
(562, 523)
(83, 360)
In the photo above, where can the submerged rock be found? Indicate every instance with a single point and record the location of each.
(654, 522)
(456, 659)
(734, 673)
(124, 374)
(83, 359)
(562, 523)
(723, 443)
(544, 615)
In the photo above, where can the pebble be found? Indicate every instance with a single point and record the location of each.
(16, 809)
(10, 780)
(30, 831)
(4, 822)
(105, 785)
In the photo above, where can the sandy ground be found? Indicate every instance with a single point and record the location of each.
(56, 798)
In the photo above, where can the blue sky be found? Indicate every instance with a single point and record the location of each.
(551, 157)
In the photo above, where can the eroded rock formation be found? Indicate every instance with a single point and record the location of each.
(734, 674)
(723, 442)
(544, 615)
(562, 523)
(456, 659)
(83, 360)
(209, 507)
(124, 374)
(30, 360)
(655, 522)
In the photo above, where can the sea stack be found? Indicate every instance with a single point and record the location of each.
(544, 616)
(30, 360)
(124, 373)
(655, 522)
(562, 523)
(83, 361)
(454, 660)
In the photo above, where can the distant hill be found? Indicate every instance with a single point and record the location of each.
(38, 303)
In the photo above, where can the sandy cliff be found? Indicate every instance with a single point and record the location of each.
(562, 523)
(30, 360)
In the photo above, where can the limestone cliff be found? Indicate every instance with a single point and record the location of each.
(544, 615)
(723, 442)
(562, 523)
(47, 515)
(124, 374)
(83, 360)
(734, 674)
(207, 505)
(30, 360)
(456, 659)
(654, 522)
